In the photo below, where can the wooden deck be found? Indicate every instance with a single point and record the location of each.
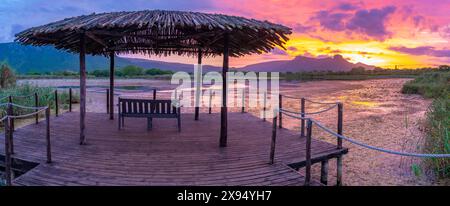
(135, 156)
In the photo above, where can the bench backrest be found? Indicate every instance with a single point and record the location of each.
(141, 106)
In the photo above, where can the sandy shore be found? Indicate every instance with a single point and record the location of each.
(375, 112)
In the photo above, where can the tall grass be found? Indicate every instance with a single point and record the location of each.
(435, 85)
(24, 95)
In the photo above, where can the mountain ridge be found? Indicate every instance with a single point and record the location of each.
(26, 59)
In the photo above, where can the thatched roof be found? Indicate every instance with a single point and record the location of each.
(159, 32)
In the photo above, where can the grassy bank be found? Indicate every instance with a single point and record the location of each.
(24, 95)
(435, 85)
(356, 74)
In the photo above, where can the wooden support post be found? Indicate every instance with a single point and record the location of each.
(107, 101)
(224, 109)
(308, 153)
(340, 124)
(274, 140)
(198, 85)
(56, 103)
(265, 106)
(303, 111)
(36, 104)
(243, 100)
(111, 85)
(324, 172)
(280, 113)
(70, 99)
(8, 169)
(210, 102)
(339, 171)
(82, 89)
(11, 112)
(339, 143)
(154, 94)
(47, 120)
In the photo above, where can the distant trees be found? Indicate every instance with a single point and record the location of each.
(7, 76)
(130, 71)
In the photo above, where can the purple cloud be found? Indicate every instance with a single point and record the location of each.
(347, 6)
(331, 21)
(368, 22)
(371, 22)
(277, 51)
(423, 50)
(300, 28)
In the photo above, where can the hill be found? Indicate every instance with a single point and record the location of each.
(27, 59)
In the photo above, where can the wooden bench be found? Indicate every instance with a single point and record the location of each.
(142, 108)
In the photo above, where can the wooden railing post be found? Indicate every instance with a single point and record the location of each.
(8, 169)
(70, 99)
(303, 111)
(339, 143)
(308, 153)
(107, 101)
(324, 172)
(340, 124)
(47, 120)
(154, 94)
(36, 104)
(280, 113)
(274, 139)
(56, 103)
(11, 112)
(210, 102)
(243, 101)
(265, 106)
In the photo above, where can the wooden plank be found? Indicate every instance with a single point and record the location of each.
(163, 156)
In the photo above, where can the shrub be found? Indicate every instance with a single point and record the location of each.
(435, 85)
(154, 72)
(130, 71)
(7, 77)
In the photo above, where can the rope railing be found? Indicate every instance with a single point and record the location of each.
(353, 141)
(340, 137)
(323, 103)
(9, 132)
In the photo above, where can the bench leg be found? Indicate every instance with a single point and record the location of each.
(119, 120)
(149, 124)
(179, 124)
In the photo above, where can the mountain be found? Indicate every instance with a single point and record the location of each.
(26, 59)
(307, 64)
(44, 59)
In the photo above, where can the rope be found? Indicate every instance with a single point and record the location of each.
(319, 112)
(325, 103)
(378, 148)
(292, 115)
(3, 119)
(4, 98)
(291, 97)
(311, 113)
(25, 107)
(28, 115)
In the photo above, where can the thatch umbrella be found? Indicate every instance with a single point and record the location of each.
(157, 33)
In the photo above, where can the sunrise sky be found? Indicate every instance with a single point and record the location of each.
(408, 34)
